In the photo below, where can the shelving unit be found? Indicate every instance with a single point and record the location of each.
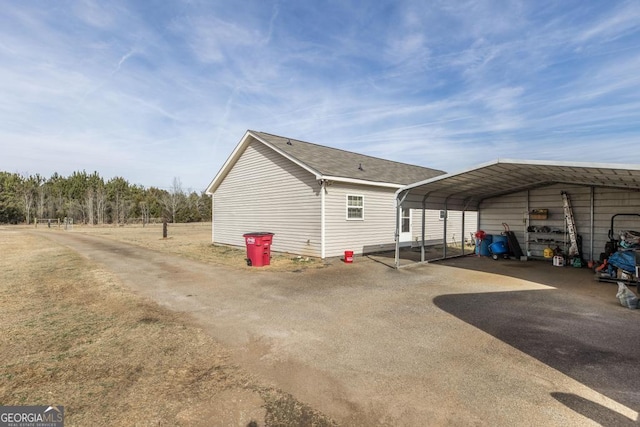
(544, 231)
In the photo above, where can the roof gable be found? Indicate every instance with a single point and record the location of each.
(331, 163)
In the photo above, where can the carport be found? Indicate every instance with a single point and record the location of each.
(507, 191)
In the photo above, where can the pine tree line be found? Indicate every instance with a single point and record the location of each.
(89, 199)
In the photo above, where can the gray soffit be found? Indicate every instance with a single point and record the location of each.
(467, 189)
(333, 162)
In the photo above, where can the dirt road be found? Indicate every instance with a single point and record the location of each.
(369, 345)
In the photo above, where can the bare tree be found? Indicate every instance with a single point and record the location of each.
(144, 212)
(28, 193)
(101, 204)
(89, 202)
(41, 195)
(174, 201)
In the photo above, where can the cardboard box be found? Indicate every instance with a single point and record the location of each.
(539, 214)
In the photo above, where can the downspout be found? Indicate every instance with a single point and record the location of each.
(323, 230)
(213, 223)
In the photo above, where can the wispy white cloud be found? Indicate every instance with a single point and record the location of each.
(150, 93)
(622, 21)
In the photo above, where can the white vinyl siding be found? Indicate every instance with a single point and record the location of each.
(374, 233)
(265, 192)
(434, 226)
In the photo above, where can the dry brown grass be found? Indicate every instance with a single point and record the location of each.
(193, 241)
(74, 336)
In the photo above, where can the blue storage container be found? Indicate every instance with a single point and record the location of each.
(499, 248)
(484, 245)
(500, 238)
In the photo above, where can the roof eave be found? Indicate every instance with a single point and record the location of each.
(246, 139)
(617, 166)
(228, 164)
(360, 181)
(239, 150)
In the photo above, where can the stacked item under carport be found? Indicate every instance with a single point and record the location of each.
(621, 259)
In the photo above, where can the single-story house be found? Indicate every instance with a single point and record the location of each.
(530, 196)
(321, 201)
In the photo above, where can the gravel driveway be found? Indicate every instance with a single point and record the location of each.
(427, 345)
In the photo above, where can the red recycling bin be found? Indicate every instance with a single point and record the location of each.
(258, 248)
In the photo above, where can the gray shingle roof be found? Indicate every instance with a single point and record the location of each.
(345, 164)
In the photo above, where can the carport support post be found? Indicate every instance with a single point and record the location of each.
(462, 232)
(424, 226)
(592, 225)
(397, 236)
(400, 198)
(424, 222)
(444, 226)
(464, 214)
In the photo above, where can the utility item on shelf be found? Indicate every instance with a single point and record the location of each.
(548, 252)
(539, 214)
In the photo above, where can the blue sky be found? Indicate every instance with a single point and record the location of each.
(152, 90)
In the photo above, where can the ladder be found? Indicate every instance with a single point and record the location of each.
(571, 225)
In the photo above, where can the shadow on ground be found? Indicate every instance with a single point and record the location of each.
(413, 255)
(596, 344)
(592, 410)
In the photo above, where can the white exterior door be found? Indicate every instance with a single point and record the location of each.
(405, 226)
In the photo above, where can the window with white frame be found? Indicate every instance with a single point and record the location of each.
(406, 220)
(355, 207)
(443, 215)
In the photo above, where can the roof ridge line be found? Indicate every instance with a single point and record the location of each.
(347, 151)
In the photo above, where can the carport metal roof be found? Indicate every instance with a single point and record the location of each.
(466, 190)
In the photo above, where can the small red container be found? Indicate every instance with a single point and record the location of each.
(348, 257)
(258, 248)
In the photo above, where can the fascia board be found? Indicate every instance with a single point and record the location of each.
(578, 165)
(361, 181)
(614, 166)
(237, 152)
(231, 160)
